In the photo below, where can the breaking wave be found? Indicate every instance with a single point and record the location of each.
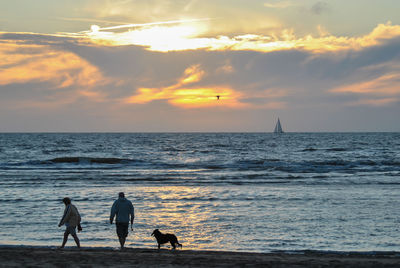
(88, 160)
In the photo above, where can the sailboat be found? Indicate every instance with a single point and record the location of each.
(278, 127)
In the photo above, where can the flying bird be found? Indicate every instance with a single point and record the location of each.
(217, 97)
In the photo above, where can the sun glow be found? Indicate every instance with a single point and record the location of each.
(204, 97)
(190, 97)
(163, 38)
(160, 37)
(180, 94)
(189, 35)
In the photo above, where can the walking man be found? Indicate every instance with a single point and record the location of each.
(122, 208)
(71, 219)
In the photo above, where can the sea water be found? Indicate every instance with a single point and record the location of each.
(255, 192)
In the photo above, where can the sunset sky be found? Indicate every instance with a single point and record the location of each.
(158, 65)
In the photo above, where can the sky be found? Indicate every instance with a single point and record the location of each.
(159, 65)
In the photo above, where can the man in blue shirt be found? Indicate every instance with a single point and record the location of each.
(123, 209)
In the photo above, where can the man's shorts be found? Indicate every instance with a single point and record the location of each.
(122, 229)
(70, 230)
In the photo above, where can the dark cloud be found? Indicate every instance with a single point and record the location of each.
(305, 78)
(251, 70)
(320, 7)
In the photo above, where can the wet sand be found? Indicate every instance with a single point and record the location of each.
(100, 257)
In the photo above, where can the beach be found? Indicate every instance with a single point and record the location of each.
(106, 257)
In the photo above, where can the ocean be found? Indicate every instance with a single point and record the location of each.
(256, 192)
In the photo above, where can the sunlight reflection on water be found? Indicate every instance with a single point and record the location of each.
(234, 191)
(258, 218)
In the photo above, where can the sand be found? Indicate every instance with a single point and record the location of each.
(100, 257)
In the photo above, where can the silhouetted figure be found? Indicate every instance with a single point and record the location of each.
(218, 97)
(71, 219)
(123, 209)
(165, 238)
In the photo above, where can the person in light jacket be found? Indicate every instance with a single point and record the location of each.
(123, 209)
(71, 218)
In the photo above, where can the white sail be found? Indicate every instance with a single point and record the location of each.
(278, 127)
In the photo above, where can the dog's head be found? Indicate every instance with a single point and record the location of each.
(155, 232)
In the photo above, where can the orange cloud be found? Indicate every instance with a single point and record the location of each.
(388, 84)
(24, 63)
(191, 75)
(380, 91)
(375, 102)
(183, 96)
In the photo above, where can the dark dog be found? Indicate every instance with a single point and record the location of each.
(165, 238)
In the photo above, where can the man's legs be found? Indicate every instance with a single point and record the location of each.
(66, 233)
(122, 232)
(122, 241)
(70, 230)
(78, 244)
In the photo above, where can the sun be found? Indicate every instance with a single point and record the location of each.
(95, 29)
